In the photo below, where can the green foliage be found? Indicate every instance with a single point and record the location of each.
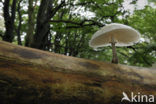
(144, 21)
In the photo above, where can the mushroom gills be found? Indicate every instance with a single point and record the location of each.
(115, 34)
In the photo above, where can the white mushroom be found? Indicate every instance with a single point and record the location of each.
(115, 35)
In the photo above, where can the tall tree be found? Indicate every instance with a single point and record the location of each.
(9, 17)
(31, 23)
(19, 23)
(45, 13)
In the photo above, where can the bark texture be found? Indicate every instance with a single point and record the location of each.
(31, 23)
(42, 28)
(30, 76)
(19, 23)
(9, 17)
(45, 13)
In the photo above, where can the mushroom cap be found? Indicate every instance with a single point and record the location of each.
(123, 36)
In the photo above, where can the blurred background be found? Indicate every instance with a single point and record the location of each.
(66, 26)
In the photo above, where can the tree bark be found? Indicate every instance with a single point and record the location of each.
(31, 23)
(45, 13)
(30, 76)
(9, 17)
(43, 26)
(19, 23)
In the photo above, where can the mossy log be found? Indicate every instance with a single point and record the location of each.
(31, 76)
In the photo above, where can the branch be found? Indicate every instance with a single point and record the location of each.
(143, 57)
(80, 24)
(53, 12)
(65, 21)
(13, 10)
(131, 47)
(88, 3)
(123, 54)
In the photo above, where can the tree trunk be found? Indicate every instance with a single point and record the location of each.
(9, 17)
(30, 76)
(45, 13)
(19, 23)
(31, 22)
(43, 26)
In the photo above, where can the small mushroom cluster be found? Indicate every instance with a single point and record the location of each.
(114, 34)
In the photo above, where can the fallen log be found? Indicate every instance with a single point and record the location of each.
(31, 76)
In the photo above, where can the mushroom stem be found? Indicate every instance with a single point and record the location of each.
(115, 57)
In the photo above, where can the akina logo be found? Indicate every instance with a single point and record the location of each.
(138, 97)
